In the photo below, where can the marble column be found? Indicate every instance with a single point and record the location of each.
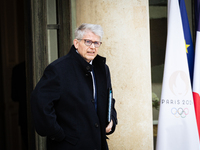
(126, 45)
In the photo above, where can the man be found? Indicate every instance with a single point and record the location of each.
(70, 102)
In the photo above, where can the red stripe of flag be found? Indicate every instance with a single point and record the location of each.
(196, 97)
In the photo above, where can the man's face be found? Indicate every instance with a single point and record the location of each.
(87, 52)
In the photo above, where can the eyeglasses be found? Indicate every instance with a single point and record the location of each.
(89, 43)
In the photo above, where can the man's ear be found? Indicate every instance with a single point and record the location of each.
(76, 43)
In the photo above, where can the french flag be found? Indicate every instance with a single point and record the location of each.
(196, 77)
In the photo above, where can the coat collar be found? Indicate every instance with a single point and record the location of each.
(98, 60)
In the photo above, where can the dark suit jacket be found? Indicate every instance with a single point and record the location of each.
(63, 105)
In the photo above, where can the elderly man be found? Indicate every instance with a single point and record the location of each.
(70, 102)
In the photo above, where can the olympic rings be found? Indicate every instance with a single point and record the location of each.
(180, 112)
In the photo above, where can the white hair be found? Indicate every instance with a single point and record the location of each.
(84, 28)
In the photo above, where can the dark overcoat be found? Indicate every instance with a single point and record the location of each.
(62, 104)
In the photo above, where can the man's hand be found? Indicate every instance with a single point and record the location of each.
(109, 127)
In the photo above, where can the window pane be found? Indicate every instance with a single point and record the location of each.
(51, 12)
(52, 45)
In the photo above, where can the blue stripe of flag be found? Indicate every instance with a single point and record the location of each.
(188, 37)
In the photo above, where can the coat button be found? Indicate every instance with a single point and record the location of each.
(92, 100)
(96, 125)
(86, 74)
(88, 67)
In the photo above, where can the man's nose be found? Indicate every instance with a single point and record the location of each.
(92, 45)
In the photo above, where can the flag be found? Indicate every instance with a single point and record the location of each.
(196, 81)
(177, 127)
(188, 38)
